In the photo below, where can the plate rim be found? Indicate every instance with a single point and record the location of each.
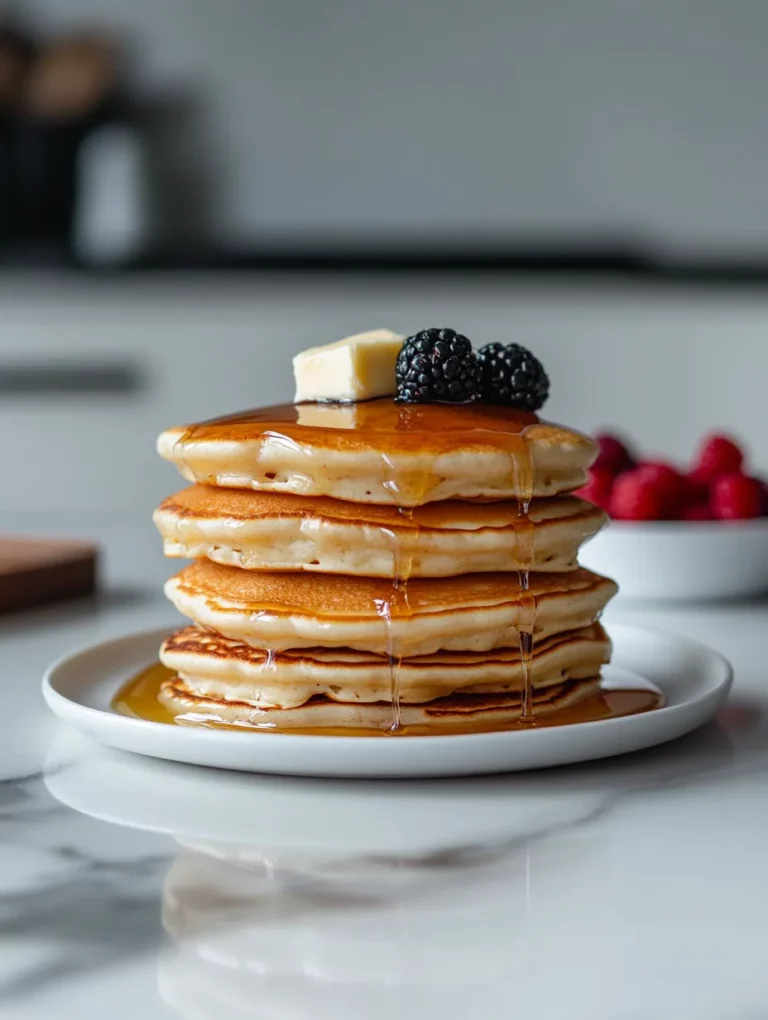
(55, 699)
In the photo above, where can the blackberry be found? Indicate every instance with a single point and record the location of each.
(437, 365)
(511, 375)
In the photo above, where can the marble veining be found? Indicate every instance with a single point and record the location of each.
(631, 888)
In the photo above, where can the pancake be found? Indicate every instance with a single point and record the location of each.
(385, 453)
(473, 612)
(279, 531)
(220, 669)
(449, 713)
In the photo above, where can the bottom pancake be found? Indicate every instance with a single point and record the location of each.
(451, 713)
(220, 669)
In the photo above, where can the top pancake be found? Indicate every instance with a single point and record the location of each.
(381, 452)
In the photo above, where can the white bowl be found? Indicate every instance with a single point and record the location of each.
(683, 560)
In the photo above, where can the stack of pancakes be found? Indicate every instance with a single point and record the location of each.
(377, 566)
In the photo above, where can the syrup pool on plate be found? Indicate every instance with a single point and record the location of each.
(139, 699)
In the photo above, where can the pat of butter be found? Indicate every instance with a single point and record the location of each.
(327, 416)
(358, 367)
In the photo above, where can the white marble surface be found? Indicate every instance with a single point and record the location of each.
(632, 888)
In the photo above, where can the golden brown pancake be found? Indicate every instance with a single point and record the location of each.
(216, 667)
(473, 612)
(280, 531)
(457, 711)
(382, 452)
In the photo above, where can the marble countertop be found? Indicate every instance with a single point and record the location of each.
(631, 888)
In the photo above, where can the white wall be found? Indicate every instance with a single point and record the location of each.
(414, 120)
(666, 366)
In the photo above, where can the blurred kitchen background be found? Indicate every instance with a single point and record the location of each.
(191, 192)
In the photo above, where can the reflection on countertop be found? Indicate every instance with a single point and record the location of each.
(318, 898)
(629, 888)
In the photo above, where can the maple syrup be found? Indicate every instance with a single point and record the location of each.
(138, 698)
(380, 424)
(402, 566)
(395, 606)
(391, 429)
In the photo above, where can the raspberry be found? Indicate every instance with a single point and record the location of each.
(658, 470)
(736, 497)
(645, 494)
(696, 491)
(719, 455)
(598, 488)
(698, 512)
(614, 455)
(669, 479)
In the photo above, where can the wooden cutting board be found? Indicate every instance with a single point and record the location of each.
(35, 571)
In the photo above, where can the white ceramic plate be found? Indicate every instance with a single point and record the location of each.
(681, 560)
(694, 679)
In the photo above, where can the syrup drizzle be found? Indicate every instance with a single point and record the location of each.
(398, 606)
(394, 429)
(526, 620)
(405, 426)
(523, 482)
(401, 540)
(385, 609)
